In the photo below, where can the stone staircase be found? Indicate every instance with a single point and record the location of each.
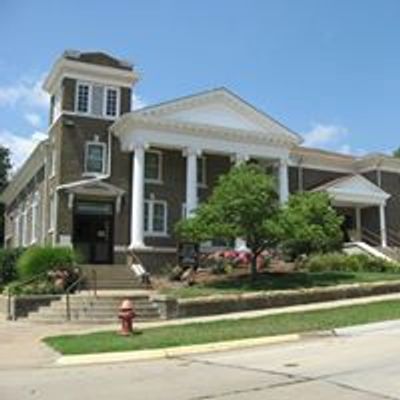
(114, 276)
(100, 309)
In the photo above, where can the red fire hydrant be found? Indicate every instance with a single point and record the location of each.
(126, 315)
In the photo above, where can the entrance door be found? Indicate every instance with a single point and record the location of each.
(93, 231)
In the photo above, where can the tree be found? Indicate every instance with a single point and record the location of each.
(5, 166)
(309, 224)
(396, 153)
(243, 205)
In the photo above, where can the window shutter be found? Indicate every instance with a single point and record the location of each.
(97, 100)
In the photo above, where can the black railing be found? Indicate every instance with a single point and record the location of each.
(11, 314)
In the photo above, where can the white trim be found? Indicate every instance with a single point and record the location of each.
(322, 167)
(159, 179)
(53, 165)
(104, 159)
(150, 218)
(79, 70)
(34, 221)
(156, 249)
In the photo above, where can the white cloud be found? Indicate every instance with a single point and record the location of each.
(137, 102)
(34, 119)
(322, 135)
(25, 92)
(20, 146)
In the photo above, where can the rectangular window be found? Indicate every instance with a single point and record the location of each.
(16, 230)
(153, 166)
(155, 217)
(52, 213)
(82, 98)
(53, 161)
(35, 221)
(95, 158)
(111, 102)
(201, 171)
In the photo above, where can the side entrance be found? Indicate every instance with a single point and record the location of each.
(93, 231)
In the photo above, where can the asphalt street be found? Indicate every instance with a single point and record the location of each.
(359, 363)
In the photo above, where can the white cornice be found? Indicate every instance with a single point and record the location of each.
(89, 72)
(130, 122)
(225, 96)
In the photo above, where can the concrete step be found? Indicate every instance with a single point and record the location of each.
(100, 309)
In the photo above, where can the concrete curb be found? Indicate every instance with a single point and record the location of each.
(146, 355)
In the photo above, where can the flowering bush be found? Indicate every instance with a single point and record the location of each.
(225, 261)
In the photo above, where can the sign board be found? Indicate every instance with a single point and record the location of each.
(188, 254)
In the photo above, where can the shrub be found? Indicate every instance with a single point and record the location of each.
(40, 287)
(8, 264)
(349, 263)
(37, 260)
(309, 224)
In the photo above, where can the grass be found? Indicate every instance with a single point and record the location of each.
(197, 333)
(270, 281)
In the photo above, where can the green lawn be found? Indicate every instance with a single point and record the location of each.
(270, 281)
(197, 333)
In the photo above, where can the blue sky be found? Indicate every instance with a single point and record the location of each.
(328, 69)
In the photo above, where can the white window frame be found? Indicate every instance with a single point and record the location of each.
(53, 161)
(16, 229)
(52, 213)
(104, 169)
(35, 220)
(159, 179)
(117, 105)
(89, 109)
(203, 182)
(25, 227)
(150, 231)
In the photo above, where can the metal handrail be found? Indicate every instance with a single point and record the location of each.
(10, 310)
(377, 238)
(67, 293)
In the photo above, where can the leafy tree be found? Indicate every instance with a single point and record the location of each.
(309, 224)
(396, 153)
(243, 204)
(5, 166)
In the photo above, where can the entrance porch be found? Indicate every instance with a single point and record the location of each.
(350, 196)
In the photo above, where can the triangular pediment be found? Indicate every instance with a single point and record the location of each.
(355, 188)
(220, 108)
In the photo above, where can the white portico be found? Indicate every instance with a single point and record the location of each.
(355, 191)
(214, 122)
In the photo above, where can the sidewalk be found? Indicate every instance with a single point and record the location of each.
(20, 341)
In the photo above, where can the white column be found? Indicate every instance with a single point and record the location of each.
(283, 181)
(358, 224)
(382, 218)
(137, 209)
(191, 180)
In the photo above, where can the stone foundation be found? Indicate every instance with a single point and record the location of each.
(220, 304)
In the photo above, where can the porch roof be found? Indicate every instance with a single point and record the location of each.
(354, 190)
(96, 188)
